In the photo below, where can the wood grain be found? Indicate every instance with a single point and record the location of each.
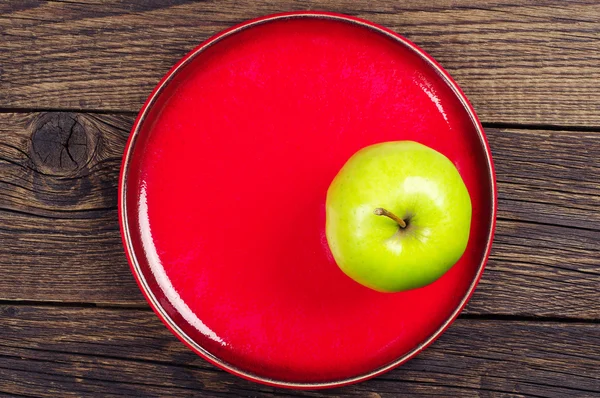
(519, 62)
(546, 254)
(531, 329)
(105, 352)
(60, 235)
(58, 219)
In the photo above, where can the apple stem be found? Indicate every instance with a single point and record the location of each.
(383, 212)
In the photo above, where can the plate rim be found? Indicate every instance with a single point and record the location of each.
(125, 231)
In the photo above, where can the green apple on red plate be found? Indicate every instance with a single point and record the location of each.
(398, 216)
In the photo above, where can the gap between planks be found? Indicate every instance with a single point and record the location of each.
(145, 308)
(520, 126)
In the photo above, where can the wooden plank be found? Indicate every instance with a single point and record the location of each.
(60, 236)
(85, 351)
(518, 62)
(547, 241)
(59, 222)
(540, 270)
(550, 177)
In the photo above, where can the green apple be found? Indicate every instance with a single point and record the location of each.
(398, 216)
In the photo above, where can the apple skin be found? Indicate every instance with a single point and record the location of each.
(417, 184)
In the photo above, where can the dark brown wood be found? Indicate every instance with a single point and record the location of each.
(546, 254)
(530, 330)
(519, 62)
(58, 208)
(550, 177)
(129, 352)
(58, 202)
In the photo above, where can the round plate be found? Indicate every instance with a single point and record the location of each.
(222, 197)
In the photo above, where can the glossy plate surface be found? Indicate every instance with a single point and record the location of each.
(222, 197)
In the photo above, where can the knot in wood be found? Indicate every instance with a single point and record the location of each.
(62, 143)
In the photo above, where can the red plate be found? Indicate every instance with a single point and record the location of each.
(222, 197)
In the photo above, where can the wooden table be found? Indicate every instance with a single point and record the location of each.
(73, 74)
